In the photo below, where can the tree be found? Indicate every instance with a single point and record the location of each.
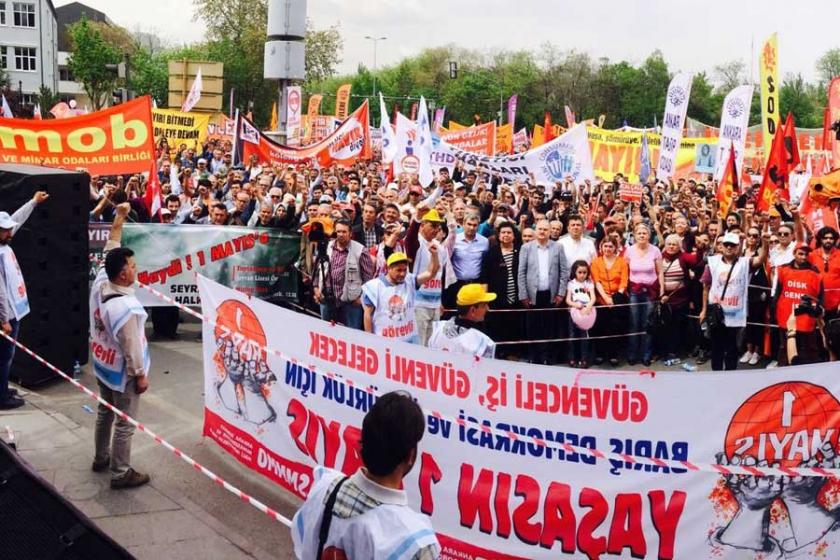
(798, 98)
(89, 62)
(46, 99)
(828, 65)
(730, 75)
(323, 52)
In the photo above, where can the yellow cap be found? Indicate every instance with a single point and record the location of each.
(396, 258)
(474, 293)
(432, 216)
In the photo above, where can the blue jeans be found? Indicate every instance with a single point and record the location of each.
(348, 314)
(639, 344)
(7, 354)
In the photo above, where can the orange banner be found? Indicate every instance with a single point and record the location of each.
(311, 112)
(112, 141)
(453, 126)
(834, 116)
(504, 139)
(349, 143)
(479, 139)
(342, 101)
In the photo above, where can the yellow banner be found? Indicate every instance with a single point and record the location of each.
(342, 101)
(504, 138)
(769, 68)
(311, 112)
(455, 126)
(618, 152)
(180, 128)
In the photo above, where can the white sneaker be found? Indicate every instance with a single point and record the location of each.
(754, 358)
(746, 357)
(772, 365)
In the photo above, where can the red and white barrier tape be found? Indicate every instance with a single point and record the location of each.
(732, 469)
(248, 499)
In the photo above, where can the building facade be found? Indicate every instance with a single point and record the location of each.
(29, 46)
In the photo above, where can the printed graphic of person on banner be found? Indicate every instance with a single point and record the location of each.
(240, 358)
(780, 516)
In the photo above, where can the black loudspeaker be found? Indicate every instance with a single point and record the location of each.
(37, 522)
(52, 249)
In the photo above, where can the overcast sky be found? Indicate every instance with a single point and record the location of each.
(692, 35)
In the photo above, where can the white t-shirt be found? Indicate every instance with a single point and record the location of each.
(580, 250)
(580, 290)
(393, 315)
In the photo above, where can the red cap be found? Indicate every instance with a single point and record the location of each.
(803, 247)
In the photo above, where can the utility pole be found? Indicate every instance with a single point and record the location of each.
(375, 42)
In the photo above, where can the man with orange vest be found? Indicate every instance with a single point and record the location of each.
(826, 259)
(795, 280)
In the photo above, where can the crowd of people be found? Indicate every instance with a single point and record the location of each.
(583, 277)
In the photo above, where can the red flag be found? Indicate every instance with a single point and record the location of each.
(728, 184)
(153, 193)
(826, 143)
(775, 172)
(548, 130)
(791, 144)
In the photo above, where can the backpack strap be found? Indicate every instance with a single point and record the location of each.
(326, 518)
(109, 297)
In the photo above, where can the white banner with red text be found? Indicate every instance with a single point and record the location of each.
(501, 471)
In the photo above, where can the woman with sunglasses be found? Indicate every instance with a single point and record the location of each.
(758, 300)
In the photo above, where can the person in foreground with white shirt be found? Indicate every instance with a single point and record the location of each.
(366, 515)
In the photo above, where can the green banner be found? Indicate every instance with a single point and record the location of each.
(258, 262)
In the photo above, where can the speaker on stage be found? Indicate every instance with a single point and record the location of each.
(52, 250)
(37, 522)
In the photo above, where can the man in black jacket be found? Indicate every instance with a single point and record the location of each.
(368, 232)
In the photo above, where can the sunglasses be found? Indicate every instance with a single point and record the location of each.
(753, 235)
(784, 233)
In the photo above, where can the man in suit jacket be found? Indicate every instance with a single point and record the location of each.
(543, 275)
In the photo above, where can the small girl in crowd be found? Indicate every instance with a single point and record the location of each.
(580, 297)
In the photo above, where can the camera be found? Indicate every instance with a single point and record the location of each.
(808, 306)
(835, 126)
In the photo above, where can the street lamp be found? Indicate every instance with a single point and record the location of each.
(375, 41)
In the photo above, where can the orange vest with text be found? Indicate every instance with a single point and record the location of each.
(793, 284)
(830, 274)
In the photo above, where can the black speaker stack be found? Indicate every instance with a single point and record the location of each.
(52, 249)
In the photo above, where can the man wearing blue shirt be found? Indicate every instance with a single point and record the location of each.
(467, 254)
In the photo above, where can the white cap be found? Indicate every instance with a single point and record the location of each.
(165, 211)
(6, 221)
(731, 238)
(393, 186)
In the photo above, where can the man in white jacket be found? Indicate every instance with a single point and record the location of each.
(14, 303)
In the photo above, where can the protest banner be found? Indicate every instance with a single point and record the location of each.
(833, 118)
(733, 128)
(511, 109)
(115, 140)
(567, 155)
(520, 140)
(453, 126)
(504, 139)
(293, 110)
(528, 461)
(257, 262)
(180, 128)
(768, 65)
(615, 151)
(312, 110)
(479, 139)
(342, 101)
(631, 192)
(676, 105)
(349, 142)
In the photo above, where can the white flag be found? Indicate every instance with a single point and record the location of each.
(194, 95)
(36, 112)
(424, 143)
(5, 110)
(676, 105)
(733, 128)
(389, 143)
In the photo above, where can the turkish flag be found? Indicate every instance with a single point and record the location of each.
(153, 193)
(548, 130)
(775, 172)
